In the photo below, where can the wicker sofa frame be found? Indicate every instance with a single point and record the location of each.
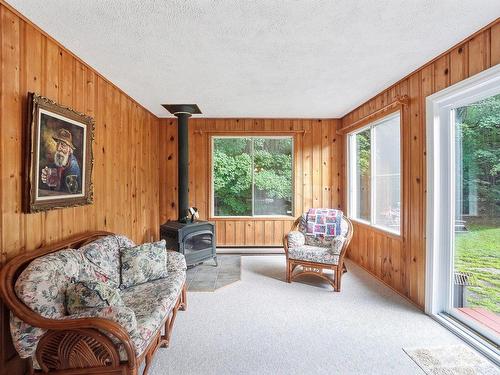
(78, 346)
(315, 268)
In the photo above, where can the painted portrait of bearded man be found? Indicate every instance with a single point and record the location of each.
(60, 157)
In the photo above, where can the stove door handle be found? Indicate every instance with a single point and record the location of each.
(190, 235)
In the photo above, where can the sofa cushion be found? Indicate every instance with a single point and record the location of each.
(176, 262)
(143, 263)
(42, 287)
(152, 301)
(313, 254)
(91, 294)
(104, 254)
(122, 315)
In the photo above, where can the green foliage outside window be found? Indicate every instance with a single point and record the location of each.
(477, 250)
(479, 124)
(243, 164)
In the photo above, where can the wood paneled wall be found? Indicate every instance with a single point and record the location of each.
(126, 179)
(317, 175)
(400, 261)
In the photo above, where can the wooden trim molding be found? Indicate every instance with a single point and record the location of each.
(250, 133)
(399, 104)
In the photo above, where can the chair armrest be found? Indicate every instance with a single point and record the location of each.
(295, 239)
(175, 261)
(337, 244)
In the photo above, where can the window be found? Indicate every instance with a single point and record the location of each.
(375, 174)
(463, 210)
(252, 176)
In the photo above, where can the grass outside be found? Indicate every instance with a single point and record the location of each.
(478, 253)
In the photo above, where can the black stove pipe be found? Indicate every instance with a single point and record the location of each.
(183, 112)
(183, 164)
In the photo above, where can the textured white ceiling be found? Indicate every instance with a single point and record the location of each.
(263, 58)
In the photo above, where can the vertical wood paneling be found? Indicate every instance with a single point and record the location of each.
(126, 178)
(399, 261)
(316, 159)
(495, 44)
(479, 52)
(11, 107)
(33, 78)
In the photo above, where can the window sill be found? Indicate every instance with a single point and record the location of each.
(252, 218)
(385, 231)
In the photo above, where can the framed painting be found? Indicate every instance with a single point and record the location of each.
(59, 157)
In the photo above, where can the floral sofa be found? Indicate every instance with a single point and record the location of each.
(112, 339)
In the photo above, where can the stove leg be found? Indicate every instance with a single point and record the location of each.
(215, 261)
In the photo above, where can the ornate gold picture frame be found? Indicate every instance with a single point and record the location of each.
(59, 158)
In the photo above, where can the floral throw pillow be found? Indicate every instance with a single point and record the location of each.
(143, 263)
(84, 295)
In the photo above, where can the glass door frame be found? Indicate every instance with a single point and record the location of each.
(441, 206)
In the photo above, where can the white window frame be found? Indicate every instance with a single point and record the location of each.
(351, 180)
(441, 204)
(212, 190)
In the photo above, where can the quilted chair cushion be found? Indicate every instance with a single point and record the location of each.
(319, 241)
(143, 263)
(151, 302)
(91, 294)
(315, 254)
(104, 254)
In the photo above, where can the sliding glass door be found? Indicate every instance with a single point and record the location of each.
(463, 209)
(476, 229)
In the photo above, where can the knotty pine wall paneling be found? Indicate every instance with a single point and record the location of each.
(316, 176)
(399, 261)
(126, 171)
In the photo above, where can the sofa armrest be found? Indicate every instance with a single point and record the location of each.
(27, 332)
(175, 261)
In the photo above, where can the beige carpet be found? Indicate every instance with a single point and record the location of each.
(263, 325)
(451, 360)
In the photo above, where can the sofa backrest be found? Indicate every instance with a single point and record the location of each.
(42, 284)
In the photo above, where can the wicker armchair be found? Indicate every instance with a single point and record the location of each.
(315, 258)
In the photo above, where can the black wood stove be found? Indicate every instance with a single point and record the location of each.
(194, 239)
